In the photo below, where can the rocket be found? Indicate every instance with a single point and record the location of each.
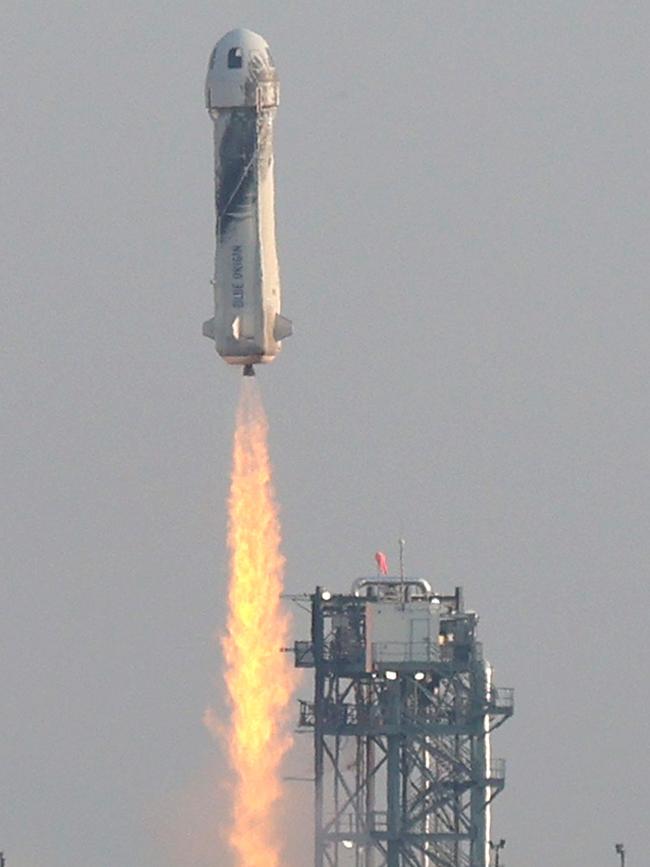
(242, 95)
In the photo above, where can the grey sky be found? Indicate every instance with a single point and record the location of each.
(462, 198)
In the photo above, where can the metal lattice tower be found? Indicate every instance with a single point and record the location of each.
(401, 718)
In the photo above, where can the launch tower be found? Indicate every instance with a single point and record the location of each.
(402, 714)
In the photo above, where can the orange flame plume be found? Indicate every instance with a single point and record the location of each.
(258, 677)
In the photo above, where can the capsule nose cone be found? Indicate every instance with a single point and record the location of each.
(238, 58)
(243, 37)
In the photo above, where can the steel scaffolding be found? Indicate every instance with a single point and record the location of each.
(401, 718)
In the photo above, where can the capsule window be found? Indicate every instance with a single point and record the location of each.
(235, 57)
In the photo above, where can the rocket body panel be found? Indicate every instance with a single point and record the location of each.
(242, 97)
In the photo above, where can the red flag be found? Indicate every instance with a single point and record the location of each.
(382, 563)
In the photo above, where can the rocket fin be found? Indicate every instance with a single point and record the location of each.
(208, 328)
(282, 327)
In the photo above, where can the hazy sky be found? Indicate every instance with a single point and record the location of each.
(463, 225)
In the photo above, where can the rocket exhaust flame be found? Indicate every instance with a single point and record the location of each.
(258, 677)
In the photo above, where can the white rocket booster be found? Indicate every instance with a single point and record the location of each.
(242, 95)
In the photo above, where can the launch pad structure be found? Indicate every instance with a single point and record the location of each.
(401, 718)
